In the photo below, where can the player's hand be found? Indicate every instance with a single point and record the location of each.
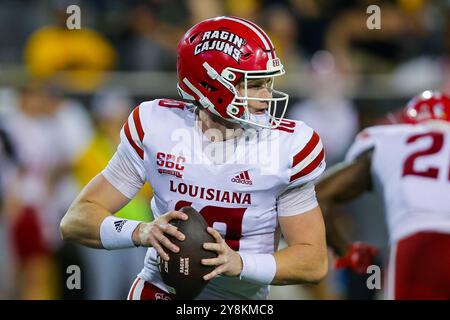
(228, 262)
(358, 257)
(153, 234)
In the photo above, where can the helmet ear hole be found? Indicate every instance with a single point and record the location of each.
(192, 38)
(208, 87)
(220, 100)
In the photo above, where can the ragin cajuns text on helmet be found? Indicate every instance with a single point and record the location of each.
(216, 54)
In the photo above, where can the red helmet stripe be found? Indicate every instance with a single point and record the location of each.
(263, 33)
(260, 33)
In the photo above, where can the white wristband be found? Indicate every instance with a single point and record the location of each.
(116, 233)
(258, 268)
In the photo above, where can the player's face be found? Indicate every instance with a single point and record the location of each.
(257, 88)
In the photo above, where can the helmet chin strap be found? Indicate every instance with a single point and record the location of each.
(213, 74)
(204, 101)
(184, 94)
(231, 109)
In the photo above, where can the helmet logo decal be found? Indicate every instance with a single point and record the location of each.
(276, 62)
(224, 41)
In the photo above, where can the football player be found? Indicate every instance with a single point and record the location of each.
(224, 152)
(409, 164)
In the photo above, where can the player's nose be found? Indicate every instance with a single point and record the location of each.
(265, 92)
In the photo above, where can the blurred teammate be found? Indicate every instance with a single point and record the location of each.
(409, 164)
(29, 196)
(224, 153)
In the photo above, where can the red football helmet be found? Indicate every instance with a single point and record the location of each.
(214, 55)
(427, 106)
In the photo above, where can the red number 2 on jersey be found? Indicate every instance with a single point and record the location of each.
(435, 147)
(231, 217)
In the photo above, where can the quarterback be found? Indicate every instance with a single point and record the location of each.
(408, 164)
(227, 151)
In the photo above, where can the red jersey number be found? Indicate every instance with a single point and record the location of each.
(437, 142)
(231, 217)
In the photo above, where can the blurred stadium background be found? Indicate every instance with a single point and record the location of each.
(64, 95)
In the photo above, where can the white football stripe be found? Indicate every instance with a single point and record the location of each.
(133, 131)
(138, 290)
(263, 39)
(133, 286)
(308, 159)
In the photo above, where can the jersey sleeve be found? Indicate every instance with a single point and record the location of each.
(132, 133)
(297, 200)
(307, 160)
(126, 170)
(364, 141)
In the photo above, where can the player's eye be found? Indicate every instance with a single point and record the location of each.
(260, 84)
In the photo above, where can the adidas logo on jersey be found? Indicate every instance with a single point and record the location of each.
(243, 178)
(119, 224)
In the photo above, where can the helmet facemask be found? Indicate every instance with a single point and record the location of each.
(238, 110)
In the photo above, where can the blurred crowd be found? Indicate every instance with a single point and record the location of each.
(60, 124)
(142, 35)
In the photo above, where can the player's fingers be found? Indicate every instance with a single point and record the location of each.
(216, 235)
(167, 243)
(214, 273)
(215, 261)
(176, 215)
(211, 246)
(173, 231)
(159, 237)
(160, 250)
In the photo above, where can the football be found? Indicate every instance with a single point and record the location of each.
(183, 273)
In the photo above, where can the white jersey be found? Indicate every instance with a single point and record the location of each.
(411, 169)
(234, 184)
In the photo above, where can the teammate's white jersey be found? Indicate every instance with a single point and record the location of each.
(411, 169)
(236, 193)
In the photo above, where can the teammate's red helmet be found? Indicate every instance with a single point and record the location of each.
(215, 54)
(429, 105)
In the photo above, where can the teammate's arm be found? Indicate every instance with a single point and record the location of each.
(340, 184)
